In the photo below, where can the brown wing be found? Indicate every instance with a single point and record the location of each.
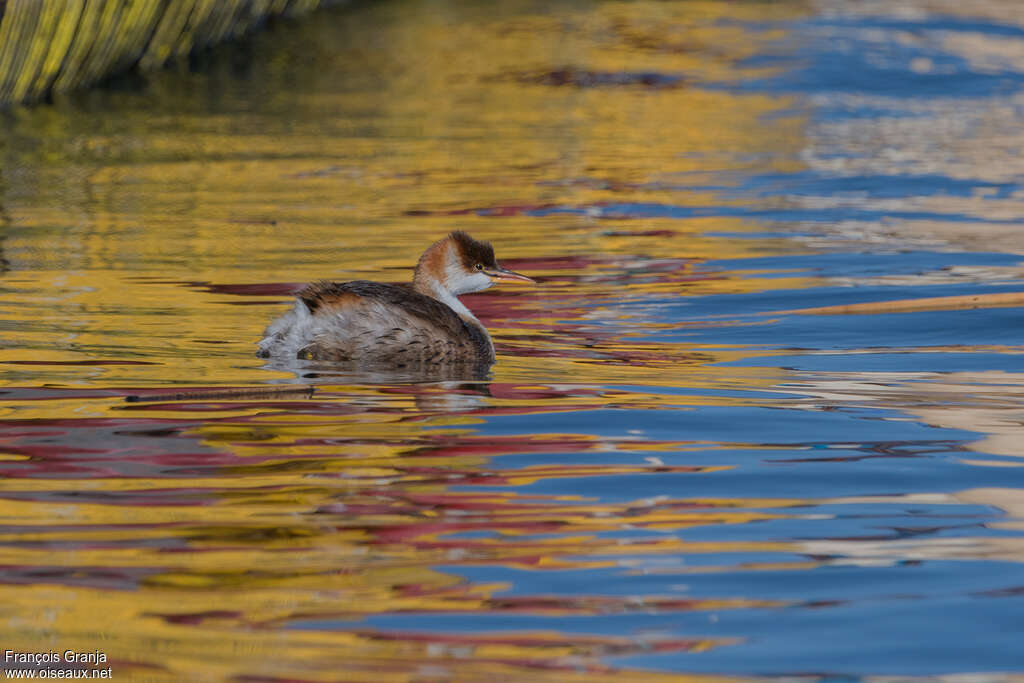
(374, 322)
(400, 297)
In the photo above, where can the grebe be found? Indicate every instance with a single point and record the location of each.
(379, 324)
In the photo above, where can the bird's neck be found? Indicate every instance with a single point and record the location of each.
(433, 288)
(436, 262)
(445, 296)
(432, 265)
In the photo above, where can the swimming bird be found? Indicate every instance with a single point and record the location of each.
(399, 326)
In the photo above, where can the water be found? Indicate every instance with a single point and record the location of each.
(665, 475)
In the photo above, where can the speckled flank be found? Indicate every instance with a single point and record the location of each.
(374, 323)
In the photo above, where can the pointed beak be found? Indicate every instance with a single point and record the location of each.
(502, 275)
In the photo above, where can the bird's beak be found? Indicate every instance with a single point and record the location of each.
(502, 275)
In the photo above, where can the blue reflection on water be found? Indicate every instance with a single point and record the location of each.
(772, 425)
(848, 213)
(864, 55)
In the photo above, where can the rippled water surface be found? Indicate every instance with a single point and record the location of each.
(668, 475)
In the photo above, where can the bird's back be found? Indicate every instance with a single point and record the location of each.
(375, 324)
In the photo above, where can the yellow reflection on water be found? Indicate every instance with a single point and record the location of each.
(112, 222)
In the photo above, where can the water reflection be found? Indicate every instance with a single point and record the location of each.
(667, 474)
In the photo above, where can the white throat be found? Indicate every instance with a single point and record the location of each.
(445, 296)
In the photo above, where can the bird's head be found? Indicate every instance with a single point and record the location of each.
(461, 265)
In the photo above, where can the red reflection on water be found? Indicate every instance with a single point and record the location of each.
(109, 578)
(499, 210)
(197, 618)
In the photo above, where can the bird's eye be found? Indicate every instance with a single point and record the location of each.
(479, 266)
